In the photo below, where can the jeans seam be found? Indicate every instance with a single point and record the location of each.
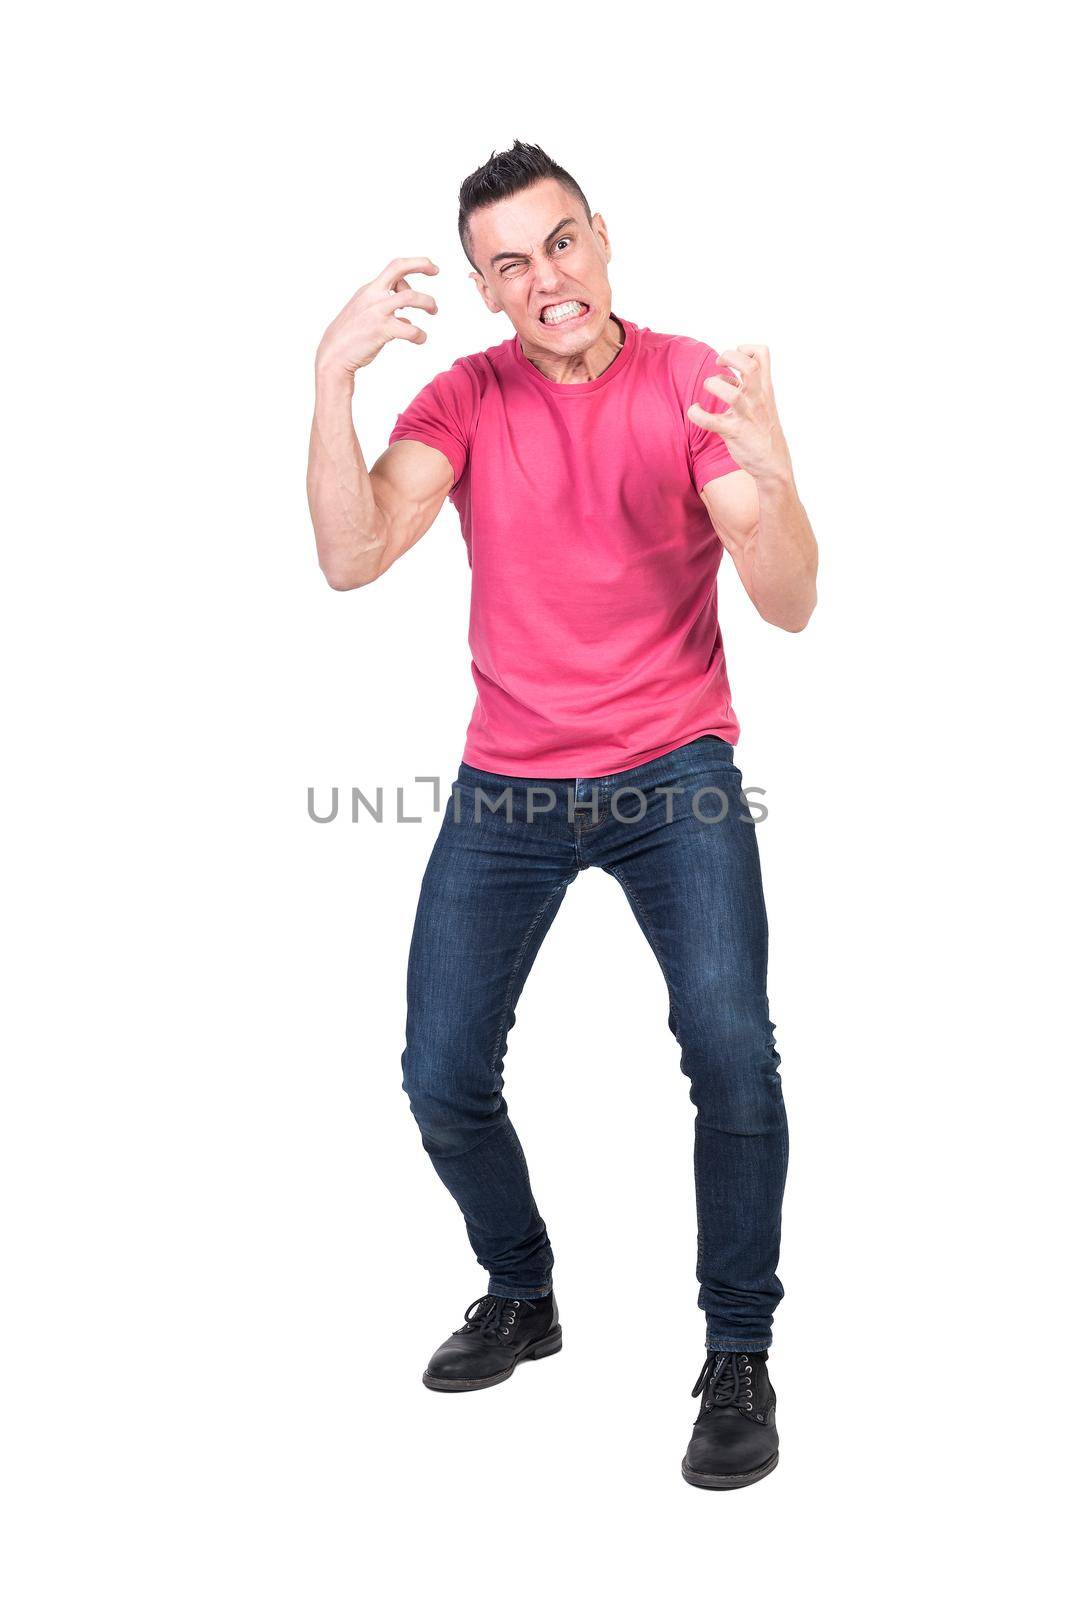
(559, 889)
(647, 928)
(646, 924)
(744, 1350)
(542, 1293)
(603, 806)
(584, 827)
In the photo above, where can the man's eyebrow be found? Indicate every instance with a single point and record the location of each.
(520, 255)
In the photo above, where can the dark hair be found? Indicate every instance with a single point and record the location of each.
(504, 174)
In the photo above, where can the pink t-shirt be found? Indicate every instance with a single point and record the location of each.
(595, 644)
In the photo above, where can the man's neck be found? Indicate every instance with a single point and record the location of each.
(588, 364)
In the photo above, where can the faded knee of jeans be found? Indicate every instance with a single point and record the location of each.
(737, 1097)
(452, 1117)
(733, 1071)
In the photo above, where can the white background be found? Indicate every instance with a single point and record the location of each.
(226, 1257)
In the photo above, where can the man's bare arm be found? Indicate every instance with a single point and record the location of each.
(757, 511)
(364, 520)
(765, 530)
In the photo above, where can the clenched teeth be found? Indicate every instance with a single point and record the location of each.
(561, 312)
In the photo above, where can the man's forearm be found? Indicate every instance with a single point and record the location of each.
(349, 526)
(776, 557)
(781, 556)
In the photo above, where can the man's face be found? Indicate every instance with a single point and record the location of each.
(536, 251)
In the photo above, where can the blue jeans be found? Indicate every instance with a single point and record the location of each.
(677, 835)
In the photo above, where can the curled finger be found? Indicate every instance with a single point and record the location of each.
(724, 389)
(740, 360)
(719, 422)
(403, 329)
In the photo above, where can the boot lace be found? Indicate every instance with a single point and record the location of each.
(491, 1316)
(726, 1380)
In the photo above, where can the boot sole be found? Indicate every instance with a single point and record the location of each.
(737, 1480)
(548, 1346)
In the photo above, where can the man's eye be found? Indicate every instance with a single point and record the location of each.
(564, 240)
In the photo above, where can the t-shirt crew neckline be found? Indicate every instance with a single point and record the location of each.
(614, 368)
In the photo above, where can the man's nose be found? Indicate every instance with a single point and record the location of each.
(547, 277)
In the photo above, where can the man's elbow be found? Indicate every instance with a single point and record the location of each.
(343, 575)
(792, 619)
(341, 580)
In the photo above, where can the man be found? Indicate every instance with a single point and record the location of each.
(599, 470)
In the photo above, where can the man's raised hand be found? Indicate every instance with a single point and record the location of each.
(370, 319)
(750, 427)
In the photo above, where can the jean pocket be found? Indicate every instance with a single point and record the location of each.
(707, 757)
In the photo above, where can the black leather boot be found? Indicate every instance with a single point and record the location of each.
(734, 1438)
(497, 1334)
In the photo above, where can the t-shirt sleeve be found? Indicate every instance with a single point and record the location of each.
(709, 456)
(443, 415)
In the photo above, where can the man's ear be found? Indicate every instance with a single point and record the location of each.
(480, 284)
(598, 224)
